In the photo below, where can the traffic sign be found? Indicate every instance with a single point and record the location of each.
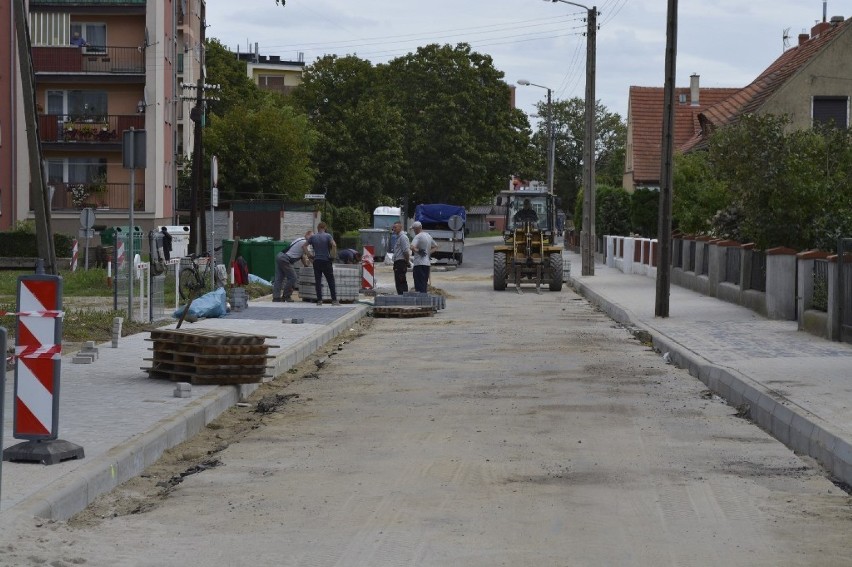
(87, 218)
(455, 222)
(317, 196)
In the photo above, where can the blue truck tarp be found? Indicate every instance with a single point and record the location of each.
(438, 214)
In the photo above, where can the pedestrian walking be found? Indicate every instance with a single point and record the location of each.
(285, 273)
(167, 243)
(422, 247)
(401, 257)
(324, 248)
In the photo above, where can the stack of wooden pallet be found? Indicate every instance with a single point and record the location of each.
(202, 356)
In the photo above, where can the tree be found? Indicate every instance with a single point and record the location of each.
(463, 138)
(263, 152)
(237, 89)
(698, 195)
(570, 126)
(359, 157)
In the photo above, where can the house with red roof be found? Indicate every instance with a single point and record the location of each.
(810, 83)
(645, 127)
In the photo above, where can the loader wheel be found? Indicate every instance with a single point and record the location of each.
(459, 259)
(500, 274)
(556, 272)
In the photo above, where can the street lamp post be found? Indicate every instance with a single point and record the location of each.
(551, 139)
(587, 235)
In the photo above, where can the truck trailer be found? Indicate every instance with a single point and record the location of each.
(446, 225)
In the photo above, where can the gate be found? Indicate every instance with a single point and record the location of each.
(844, 286)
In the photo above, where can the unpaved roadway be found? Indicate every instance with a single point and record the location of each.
(518, 430)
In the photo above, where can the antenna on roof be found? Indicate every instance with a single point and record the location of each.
(785, 39)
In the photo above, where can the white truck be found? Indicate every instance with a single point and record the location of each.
(446, 225)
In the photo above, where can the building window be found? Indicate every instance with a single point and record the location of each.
(93, 33)
(831, 110)
(75, 170)
(78, 105)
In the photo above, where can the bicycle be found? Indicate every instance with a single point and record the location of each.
(193, 281)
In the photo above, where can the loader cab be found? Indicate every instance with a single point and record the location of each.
(540, 202)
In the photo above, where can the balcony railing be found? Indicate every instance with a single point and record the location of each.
(89, 60)
(113, 196)
(77, 3)
(54, 128)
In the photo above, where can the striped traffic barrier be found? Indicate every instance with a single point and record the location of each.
(119, 256)
(38, 361)
(74, 252)
(368, 275)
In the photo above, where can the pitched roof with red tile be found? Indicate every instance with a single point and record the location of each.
(646, 119)
(752, 97)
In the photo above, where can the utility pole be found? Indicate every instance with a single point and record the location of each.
(587, 236)
(197, 211)
(664, 231)
(38, 199)
(198, 227)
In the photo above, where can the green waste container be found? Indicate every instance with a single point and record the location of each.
(263, 255)
(108, 236)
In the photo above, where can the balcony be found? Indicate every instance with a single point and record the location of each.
(68, 197)
(77, 3)
(91, 60)
(57, 128)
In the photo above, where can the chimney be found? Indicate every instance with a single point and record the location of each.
(803, 37)
(819, 28)
(693, 89)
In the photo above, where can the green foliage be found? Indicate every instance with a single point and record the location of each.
(569, 118)
(25, 226)
(21, 243)
(645, 212)
(698, 196)
(263, 152)
(612, 211)
(761, 182)
(359, 157)
(790, 188)
(462, 138)
(350, 218)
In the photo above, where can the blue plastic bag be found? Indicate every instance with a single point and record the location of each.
(210, 305)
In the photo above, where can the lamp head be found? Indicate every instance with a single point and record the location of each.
(523, 82)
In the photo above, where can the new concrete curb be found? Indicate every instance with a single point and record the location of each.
(72, 493)
(796, 427)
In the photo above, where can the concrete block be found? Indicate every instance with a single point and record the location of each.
(801, 431)
(781, 418)
(182, 393)
(81, 358)
(183, 386)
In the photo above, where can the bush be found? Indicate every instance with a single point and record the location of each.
(22, 244)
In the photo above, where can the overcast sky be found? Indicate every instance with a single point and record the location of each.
(727, 42)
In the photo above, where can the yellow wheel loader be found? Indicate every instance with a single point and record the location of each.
(529, 253)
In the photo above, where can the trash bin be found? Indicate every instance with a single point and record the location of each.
(378, 239)
(113, 233)
(180, 239)
(263, 257)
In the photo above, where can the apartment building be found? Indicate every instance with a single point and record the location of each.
(101, 67)
(272, 73)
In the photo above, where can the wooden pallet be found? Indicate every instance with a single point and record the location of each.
(403, 311)
(202, 356)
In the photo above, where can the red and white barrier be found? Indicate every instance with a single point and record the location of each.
(368, 273)
(74, 252)
(38, 350)
(120, 257)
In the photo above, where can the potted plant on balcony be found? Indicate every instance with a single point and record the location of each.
(79, 194)
(98, 189)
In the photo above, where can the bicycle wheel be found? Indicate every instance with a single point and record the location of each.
(187, 283)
